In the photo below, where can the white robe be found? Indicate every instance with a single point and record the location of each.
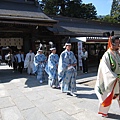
(67, 75)
(39, 66)
(106, 79)
(51, 69)
(29, 62)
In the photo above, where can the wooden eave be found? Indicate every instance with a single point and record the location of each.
(25, 17)
(82, 27)
(14, 20)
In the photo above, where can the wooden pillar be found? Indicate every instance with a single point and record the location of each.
(58, 45)
(33, 44)
(26, 44)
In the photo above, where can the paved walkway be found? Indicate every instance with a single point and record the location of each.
(22, 97)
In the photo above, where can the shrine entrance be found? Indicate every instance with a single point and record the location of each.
(9, 45)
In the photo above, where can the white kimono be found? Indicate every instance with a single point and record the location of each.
(29, 59)
(39, 66)
(67, 75)
(51, 69)
(107, 85)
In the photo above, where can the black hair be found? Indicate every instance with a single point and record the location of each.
(113, 38)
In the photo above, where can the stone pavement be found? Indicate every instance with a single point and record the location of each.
(22, 97)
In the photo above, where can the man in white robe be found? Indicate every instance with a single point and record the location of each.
(107, 85)
(39, 65)
(29, 59)
(52, 67)
(66, 71)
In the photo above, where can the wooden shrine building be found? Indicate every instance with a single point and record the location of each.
(24, 26)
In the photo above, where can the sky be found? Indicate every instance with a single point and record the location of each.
(103, 7)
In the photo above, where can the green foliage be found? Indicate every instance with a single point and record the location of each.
(109, 19)
(114, 16)
(88, 11)
(69, 8)
(115, 10)
(73, 9)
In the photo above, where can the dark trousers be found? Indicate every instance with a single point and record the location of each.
(15, 65)
(20, 66)
(10, 63)
(85, 65)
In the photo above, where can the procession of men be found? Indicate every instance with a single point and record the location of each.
(62, 71)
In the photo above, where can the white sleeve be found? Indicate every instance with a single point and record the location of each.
(86, 54)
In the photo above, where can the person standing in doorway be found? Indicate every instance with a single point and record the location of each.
(66, 70)
(29, 59)
(52, 68)
(39, 65)
(84, 56)
(100, 53)
(107, 85)
(9, 58)
(20, 58)
(15, 61)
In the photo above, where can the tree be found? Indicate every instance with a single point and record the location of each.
(69, 8)
(109, 19)
(54, 7)
(73, 8)
(57, 7)
(88, 11)
(50, 6)
(115, 9)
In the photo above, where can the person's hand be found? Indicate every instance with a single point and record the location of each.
(73, 64)
(69, 65)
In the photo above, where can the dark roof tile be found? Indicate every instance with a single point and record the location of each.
(23, 11)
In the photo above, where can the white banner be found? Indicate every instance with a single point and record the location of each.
(79, 53)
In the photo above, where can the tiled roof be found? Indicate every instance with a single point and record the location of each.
(22, 12)
(82, 27)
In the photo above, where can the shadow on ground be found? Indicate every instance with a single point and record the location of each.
(34, 83)
(113, 116)
(8, 75)
(88, 96)
(84, 89)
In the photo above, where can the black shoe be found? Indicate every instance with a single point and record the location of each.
(72, 94)
(69, 94)
(58, 87)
